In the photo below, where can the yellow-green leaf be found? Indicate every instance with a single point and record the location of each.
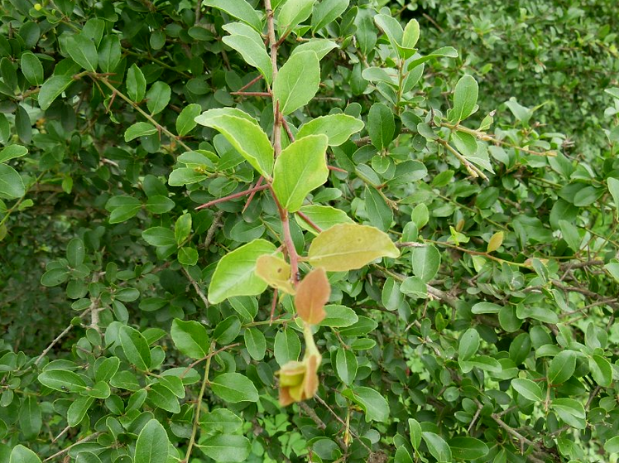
(276, 272)
(350, 246)
(495, 242)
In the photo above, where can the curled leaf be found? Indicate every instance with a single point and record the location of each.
(276, 272)
(299, 380)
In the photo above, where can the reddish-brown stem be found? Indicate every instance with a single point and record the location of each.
(288, 130)
(282, 39)
(250, 83)
(309, 221)
(247, 203)
(290, 246)
(337, 169)
(274, 303)
(251, 93)
(233, 196)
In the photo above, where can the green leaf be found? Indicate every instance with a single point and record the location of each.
(483, 362)
(226, 448)
(392, 29)
(611, 446)
(339, 316)
(110, 53)
(415, 433)
(467, 448)
(190, 338)
(250, 45)
(159, 204)
(570, 233)
(375, 406)
(570, 411)
(21, 454)
(32, 68)
(320, 46)
(381, 125)
(234, 388)
(240, 9)
(234, 274)
(55, 276)
(337, 127)
(11, 183)
(82, 50)
(186, 120)
(438, 447)
(52, 89)
(78, 410)
(528, 389)
(135, 347)
(300, 168)
(187, 255)
(162, 397)
(292, 13)
(542, 314)
(136, 84)
(158, 97)
(12, 152)
(425, 262)
(87, 457)
(244, 134)
(159, 236)
(286, 346)
(469, 344)
(561, 367)
(152, 444)
(614, 189)
(75, 252)
(255, 343)
(465, 99)
(350, 246)
(183, 228)
(326, 12)
(379, 213)
(601, 370)
(346, 366)
(62, 380)
(297, 81)
(485, 307)
(322, 216)
(139, 129)
(30, 421)
(185, 176)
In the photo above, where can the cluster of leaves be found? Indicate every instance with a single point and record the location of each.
(450, 272)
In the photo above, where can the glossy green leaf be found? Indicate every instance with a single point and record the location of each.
(300, 168)
(297, 81)
(375, 407)
(11, 183)
(234, 388)
(528, 389)
(135, 347)
(52, 88)
(82, 50)
(469, 344)
(152, 444)
(21, 454)
(226, 448)
(190, 337)
(158, 97)
(381, 125)
(294, 12)
(32, 68)
(467, 448)
(326, 12)
(248, 42)
(337, 127)
(12, 152)
(438, 447)
(139, 129)
(465, 99)
(62, 380)
(346, 366)
(239, 9)
(244, 134)
(136, 84)
(561, 367)
(110, 52)
(425, 262)
(235, 272)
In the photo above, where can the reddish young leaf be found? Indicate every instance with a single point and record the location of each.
(312, 295)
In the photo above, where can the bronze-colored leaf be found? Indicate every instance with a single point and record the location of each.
(312, 295)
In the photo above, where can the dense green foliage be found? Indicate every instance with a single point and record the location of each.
(412, 257)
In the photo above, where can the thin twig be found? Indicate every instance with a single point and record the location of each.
(233, 196)
(81, 441)
(197, 288)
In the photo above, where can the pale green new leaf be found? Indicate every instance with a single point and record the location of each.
(297, 81)
(235, 272)
(240, 9)
(244, 134)
(292, 13)
(299, 169)
(337, 127)
(250, 45)
(320, 46)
